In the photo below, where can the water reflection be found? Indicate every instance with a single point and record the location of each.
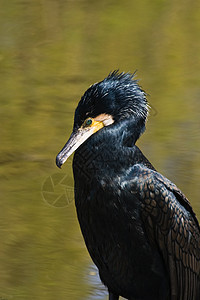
(99, 292)
(51, 51)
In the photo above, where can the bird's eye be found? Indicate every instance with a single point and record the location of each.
(88, 122)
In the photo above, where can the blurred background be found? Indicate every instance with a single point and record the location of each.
(50, 52)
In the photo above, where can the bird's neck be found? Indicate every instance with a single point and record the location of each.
(128, 131)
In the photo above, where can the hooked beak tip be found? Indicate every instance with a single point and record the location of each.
(76, 139)
(58, 162)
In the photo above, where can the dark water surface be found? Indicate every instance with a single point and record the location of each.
(50, 52)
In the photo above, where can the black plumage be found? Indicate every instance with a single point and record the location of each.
(139, 228)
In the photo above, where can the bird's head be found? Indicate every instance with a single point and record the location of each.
(116, 101)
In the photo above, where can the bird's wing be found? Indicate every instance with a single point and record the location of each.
(171, 227)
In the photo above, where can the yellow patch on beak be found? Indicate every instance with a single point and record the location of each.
(97, 125)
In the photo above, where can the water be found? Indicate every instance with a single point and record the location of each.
(50, 52)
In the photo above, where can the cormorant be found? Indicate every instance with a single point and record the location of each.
(139, 228)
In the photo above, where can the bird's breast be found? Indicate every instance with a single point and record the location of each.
(114, 237)
(112, 227)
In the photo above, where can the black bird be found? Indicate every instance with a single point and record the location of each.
(139, 228)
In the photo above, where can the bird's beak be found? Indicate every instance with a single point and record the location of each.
(76, 139)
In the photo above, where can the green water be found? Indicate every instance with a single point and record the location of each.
(50, 52)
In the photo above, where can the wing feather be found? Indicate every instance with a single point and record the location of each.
(172, 227)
